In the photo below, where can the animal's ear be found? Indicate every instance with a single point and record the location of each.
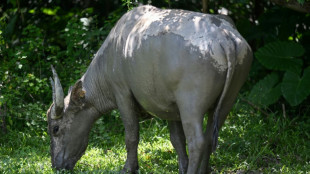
(78, 94)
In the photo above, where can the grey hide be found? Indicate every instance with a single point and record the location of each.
(176, 65)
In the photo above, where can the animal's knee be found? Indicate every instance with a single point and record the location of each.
(197, 143)
(132, 140)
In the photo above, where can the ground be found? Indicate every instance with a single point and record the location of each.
(248, 143)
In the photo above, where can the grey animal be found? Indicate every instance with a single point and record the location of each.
(176, 65)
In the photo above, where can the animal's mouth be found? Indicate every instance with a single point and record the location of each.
(65, 161)
(65, 166)
(61, 163)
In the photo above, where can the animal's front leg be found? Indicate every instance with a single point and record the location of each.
(178, 141)
(204, 167)
(131, 124)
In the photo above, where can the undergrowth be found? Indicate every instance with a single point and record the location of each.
(249, 143)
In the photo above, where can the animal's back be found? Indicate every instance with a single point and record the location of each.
(201, 31)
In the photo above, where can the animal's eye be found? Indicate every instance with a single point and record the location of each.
(55, 129)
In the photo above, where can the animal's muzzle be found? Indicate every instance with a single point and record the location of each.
(59, 163)
(64, 165)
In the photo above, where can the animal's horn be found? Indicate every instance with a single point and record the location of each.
(58, 96)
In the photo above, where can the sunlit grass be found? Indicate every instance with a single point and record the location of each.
(248, 143)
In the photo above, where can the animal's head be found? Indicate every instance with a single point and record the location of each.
(69, 122)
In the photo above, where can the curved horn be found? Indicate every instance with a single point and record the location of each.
(58, 96)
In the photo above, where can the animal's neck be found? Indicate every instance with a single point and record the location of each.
(96, 85)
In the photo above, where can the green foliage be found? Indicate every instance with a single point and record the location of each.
(295, 89)
(267, 91)
(281, 56)
(21, 79)
(285, 52)
(129, 4)
(302, 1)
(36, 34)
(26, 56)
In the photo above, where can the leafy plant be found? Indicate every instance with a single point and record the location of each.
(282, 58)
(130, 4)
(25, 66)
(267, 91)
(295, 89)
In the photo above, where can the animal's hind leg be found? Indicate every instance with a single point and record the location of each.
(204, 167)
(192, 124)
(178, 141)
(131, 123)
(192, 120)
(228, 102)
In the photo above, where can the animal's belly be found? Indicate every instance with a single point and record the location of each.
(157, 105)
(164, 114)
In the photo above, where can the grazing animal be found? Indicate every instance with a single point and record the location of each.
(176, 65)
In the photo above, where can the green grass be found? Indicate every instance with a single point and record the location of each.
(248, 143)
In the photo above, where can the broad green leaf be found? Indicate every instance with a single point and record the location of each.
(294, 88)
(266, 91)
(10, 27)
(281, 56)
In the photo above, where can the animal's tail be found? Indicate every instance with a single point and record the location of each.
(231, 61)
